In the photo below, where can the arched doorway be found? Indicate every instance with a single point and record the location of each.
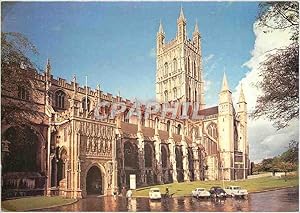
(94, 182)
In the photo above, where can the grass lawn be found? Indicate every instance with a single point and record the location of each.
(28, 203)
(252, 185)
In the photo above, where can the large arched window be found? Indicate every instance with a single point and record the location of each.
(166, 68)
(149, 155)
(86, 104)
(212, 130)
(60, 99)
(175, 64)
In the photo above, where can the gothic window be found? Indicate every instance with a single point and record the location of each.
(212, 130)
(148, 155)
(168, 126)
(60, 99)
(175, 64)
(166, 96)
(166, 68)
(23, 93)
(189, 94)
(178, 129)
(188, 66)
(126, 116)
(175, 93)
(195, 96)
(143, 119)
(86, 104)
(195, 70)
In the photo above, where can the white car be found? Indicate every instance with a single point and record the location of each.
(154, 194)
(200, 193)
(236, 191)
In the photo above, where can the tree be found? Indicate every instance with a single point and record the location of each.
(17, 73)
(279, 101)
(291, 155)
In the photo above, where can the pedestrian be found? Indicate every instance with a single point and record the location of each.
(123, 191)
(167, 192)
(129, 194)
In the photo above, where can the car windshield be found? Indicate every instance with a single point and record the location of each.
(219, 190)
(200, 189)
(155, 190)
(237, 187)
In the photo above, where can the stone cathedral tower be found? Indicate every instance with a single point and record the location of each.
(179, 74)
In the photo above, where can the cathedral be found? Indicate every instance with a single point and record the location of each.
(74, 154)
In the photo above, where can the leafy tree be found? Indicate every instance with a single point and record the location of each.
(291, 155)
(17, 72)
(279, 72)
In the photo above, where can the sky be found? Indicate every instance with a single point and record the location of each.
(113, 43)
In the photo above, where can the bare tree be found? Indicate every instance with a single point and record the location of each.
(280, 71)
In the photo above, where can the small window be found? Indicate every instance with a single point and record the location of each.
(168, 126)
(86, 104)
(23, 93)
(60, 99)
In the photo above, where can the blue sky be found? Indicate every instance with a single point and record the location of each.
(114, 43)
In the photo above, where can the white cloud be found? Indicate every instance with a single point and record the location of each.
(208, 58)
(264, 140)
(152, 52)
(207, 84)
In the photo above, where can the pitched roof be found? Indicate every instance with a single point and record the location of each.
(209, 111)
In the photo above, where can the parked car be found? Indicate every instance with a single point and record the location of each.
(217, 192)
(236, 191)
(200, 193)
(154, 194)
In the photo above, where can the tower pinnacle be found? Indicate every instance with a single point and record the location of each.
(224, 84)
(196, 27)
(181, 15)
(242, 96)
(160, 30)
(48, 67)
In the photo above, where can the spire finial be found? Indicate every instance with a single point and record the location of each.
(224, 84)
(181, 15)
(48, 67)
(196, 27)
(242, 96)
(160, 29)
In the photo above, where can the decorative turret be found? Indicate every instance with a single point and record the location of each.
(226, 133)
(224, 83)
(160, 39)
(196, 35)
(242, 107)
(225, 94)
(181, 27)
(48, 68)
